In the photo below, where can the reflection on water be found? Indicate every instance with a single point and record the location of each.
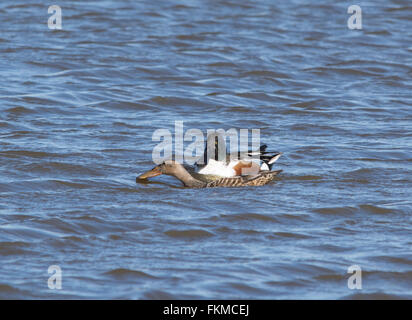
(79, 106)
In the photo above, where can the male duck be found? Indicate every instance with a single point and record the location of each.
(234, 164)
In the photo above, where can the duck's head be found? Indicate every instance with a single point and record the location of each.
(215, 147)
(168, 167)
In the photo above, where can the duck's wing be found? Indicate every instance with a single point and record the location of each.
(243, 181)
(261, 174)
(205, 177)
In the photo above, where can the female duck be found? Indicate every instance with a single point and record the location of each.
(197, 181)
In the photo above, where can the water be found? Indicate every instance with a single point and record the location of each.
(79, 107)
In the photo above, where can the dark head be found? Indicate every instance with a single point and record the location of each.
(215, 147)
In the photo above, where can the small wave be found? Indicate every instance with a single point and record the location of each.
(239, 109)
(194, 233)
(364, 173)
(73, 238)
(152, 14)
(116, 150)
(176, 101)
(375, 209)
(193, 37)
(227, 230)
(332, 248)
(48, 167)
(343, 71)
(131, 105)
(127, 190)
(223, 64)
(363, 208)
(20, 110)
(160, 295)
(126, 125)
(292, 235)
(12, 247)
(266, 73)
(29, 232)
(182, 7)
(128, 273)
(400, 259)
(330, 277)
(401, 8)
(248, 216)
(307, 177)
(40, 101)
(294, 111)
(8, 292)
(27, 153)
(260, 96)
(294, 217)
(72, 185)
(317, 128)
(25, 5)
(336, 210)
(376, 296)
(244, 288)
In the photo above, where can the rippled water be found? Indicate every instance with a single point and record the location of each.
(79, 107)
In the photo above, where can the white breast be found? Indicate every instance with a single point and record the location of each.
(217, 168)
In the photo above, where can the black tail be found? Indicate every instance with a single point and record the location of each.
(269, 160)
(268, 157)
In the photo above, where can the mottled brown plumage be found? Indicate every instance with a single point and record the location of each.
(242, 181)
(194, 181)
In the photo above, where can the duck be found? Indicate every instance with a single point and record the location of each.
(235, 164)
(195, 180)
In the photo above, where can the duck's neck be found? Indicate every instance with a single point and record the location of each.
(187, 179)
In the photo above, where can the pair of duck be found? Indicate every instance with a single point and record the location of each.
(250, 168)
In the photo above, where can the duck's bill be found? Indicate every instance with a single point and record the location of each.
(150, 174)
